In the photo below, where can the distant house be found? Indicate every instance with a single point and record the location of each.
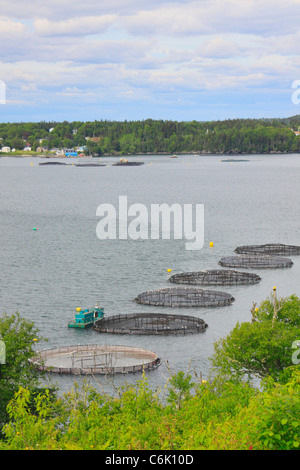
(70, 153)
(57, 151)
(295, 132)
(5, 149)
(27, 149)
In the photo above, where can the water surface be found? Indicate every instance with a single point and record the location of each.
(47, 273)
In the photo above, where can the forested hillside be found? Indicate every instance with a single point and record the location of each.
(158, 136)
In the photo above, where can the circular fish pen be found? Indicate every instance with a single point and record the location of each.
(125, 162)
(53, 163)
(96, 359)
(235, 160)
(256, 261)
(88, 165)
(184, 297)
(215, 277)
(151, 324)
(269, 249)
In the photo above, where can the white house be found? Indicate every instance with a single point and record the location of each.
(5, 149)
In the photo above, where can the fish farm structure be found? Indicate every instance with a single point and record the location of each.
(184, 297)
(256, 261)
(86, 165)
(53, 163)
(95, 359)
(125, 162)
(269, 249)
(151, 324)
(86, 318)
(215, 277)
(234, 160)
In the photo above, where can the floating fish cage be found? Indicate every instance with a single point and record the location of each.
(53, 163)
(86, 165)
(96, 359)
(125, 162)
(234, 160)
(184, 297)
(151, 324)
(215, 277)
(269, 249)
(256, 261)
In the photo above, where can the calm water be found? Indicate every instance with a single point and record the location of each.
(46, 274)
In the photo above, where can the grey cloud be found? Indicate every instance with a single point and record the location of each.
(216, 17)
(80, 26)
(58, 10)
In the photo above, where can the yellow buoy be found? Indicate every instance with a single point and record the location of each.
(78, 309)
(211, 244)
(169, 270)
(274, 288)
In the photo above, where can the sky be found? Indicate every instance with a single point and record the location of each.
(134, 59)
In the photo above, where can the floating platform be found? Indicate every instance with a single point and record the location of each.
(151, 324)
(128, 164)
(269, 249)
(87, 165)
(53, 163)
(215, 277)
(86, 318)
(233, 160)
(184, 297)
(95, 359)
(256, 261)
(125, 162)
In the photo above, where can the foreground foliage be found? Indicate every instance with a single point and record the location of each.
(225, 413)
(263, 347)
(19, 336)
(217, 415)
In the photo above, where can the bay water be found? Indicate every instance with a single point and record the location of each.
(46, 273)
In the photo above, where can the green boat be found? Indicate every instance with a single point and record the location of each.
(86, 318)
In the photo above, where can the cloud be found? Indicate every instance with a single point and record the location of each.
(216, 17)
(219, 47)
(82, 26)
(66, 9)
(11, 29)
(29, 87)
(157, 52)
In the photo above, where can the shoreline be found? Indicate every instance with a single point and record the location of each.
(159, 154)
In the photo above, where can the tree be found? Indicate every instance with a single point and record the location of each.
(17, 143)
(262, 347)
(67, 143)
(19, 336)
